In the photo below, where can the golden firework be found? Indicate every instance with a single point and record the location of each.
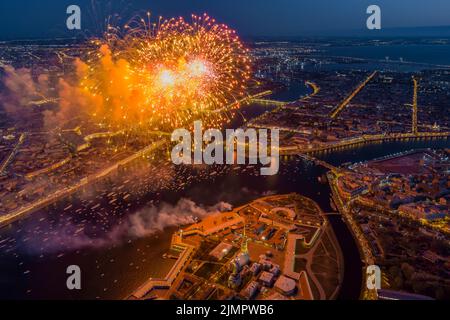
(166, 74)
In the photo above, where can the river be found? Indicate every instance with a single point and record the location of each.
(31, 268)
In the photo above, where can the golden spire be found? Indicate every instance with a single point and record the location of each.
(244, 246)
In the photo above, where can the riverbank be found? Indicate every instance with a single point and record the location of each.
(365, 139)
(9, 218)
(141, 258)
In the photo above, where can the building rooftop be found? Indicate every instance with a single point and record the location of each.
(221, 250)
(285, 284)
(267, 277)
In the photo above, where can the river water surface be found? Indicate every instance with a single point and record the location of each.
(113, 269)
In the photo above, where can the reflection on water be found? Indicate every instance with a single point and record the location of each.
(294, 91)
(428, 54)
(380, 149)
(114, 270)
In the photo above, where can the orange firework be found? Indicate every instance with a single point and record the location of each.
(165, 75)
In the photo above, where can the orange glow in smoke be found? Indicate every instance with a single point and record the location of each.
(164, 75)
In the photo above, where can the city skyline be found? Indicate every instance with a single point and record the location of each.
(180, 159)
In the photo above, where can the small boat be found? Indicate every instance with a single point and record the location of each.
(169, 256)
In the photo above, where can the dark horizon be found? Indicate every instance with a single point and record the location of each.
(431, 32)
(251, 18)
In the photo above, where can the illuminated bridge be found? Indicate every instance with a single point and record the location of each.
(270, 102)
(319, 162)
(246, 100)
(307, 149)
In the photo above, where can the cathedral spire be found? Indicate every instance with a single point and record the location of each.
(244, 246)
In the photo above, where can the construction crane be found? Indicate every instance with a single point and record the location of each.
(415, 130)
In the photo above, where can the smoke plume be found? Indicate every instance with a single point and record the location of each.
(142, 223)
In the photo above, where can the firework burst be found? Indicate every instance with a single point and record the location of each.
(166, 74)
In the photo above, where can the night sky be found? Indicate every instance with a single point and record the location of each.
(46, 18)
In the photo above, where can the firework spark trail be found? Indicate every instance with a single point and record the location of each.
(164, 75)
